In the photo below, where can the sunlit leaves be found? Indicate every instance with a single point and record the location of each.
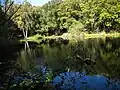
(51, 18)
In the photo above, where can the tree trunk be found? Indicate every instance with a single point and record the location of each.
(23, 33)
(26, 34)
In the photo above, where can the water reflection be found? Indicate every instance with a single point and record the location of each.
(80, 81)
(26, 58)
(94, 56)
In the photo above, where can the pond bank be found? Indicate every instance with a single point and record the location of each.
(69, 36)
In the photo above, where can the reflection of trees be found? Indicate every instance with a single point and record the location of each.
(55, 57)
(104, 52)
(94, 56)
(25, 60)
(110, 55)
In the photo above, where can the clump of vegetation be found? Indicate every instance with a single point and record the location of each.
(31, 81)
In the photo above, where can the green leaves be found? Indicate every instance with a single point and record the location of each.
(55, 15)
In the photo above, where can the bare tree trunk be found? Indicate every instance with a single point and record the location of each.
(23, 33)
(26, 33)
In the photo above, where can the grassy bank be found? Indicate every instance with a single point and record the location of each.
(38, 38)
(79, 36)
(102, 34)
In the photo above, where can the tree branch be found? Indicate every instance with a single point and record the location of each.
(12, 15)
(9, 7)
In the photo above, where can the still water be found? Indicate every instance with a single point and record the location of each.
(91, 64)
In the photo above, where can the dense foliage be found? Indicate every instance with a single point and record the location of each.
(59, 16)
(8, 28)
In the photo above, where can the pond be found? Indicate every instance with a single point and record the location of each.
(91, 64)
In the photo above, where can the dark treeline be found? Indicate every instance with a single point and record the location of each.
(59, 16)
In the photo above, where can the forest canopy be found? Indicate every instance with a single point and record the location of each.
(59, 16)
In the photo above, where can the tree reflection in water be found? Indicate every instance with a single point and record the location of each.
(99, 58)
